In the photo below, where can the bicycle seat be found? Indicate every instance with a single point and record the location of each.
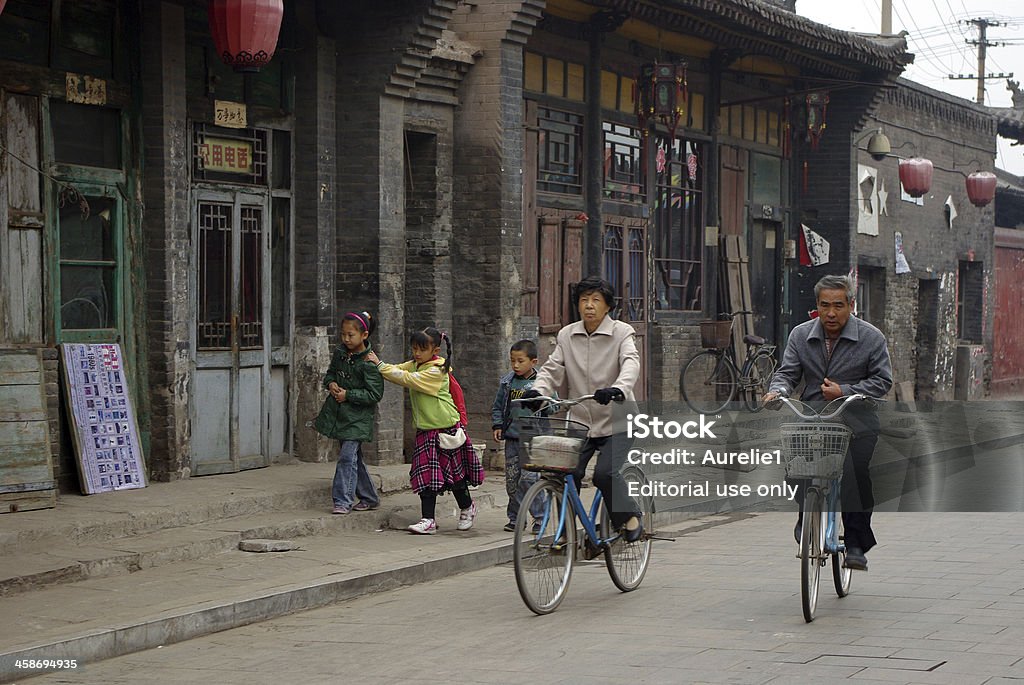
(754, 339)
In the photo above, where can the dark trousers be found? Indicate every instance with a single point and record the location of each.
(611, 455)
(855, 494)
(428, 499)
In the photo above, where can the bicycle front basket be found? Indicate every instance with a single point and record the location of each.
(815, 450)
(715, 334)
(550, 444)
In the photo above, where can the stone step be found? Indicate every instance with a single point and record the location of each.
(41, 564)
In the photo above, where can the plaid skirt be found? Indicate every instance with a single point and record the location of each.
(435, 469)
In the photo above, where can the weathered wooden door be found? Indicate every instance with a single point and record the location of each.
(21, 222)
(1008, 343)
(625, 264)
(230, 399)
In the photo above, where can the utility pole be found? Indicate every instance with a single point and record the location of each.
(886, 17)
(982, 43)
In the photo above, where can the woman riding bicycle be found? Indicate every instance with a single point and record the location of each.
(597, 355)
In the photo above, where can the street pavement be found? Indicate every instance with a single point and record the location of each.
(943, 602)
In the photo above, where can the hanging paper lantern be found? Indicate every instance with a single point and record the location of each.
(662, 93)
(916, 176)
(2, 3)
(245, 31)
(981, 188)
(817, 106)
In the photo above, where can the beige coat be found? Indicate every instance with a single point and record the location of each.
(582, 363)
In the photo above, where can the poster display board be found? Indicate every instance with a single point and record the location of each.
(105, 431)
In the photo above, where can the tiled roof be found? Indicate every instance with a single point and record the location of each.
(1009, 122)
(790, 35)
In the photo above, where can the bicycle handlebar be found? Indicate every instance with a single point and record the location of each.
(568, 402)
(822, 416)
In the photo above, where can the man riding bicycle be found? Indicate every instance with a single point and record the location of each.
(837, 354)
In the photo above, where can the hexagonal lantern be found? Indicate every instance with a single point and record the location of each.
(916, 176)
(245, 31)
(981, 188)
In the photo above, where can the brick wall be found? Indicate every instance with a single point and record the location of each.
(671, 347)
(487, 202)
(921, 322)
(166, 236)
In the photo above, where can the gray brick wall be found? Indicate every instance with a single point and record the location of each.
(166, 235)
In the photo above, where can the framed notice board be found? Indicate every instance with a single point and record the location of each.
(104, 428)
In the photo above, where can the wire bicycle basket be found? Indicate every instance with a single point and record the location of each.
(815, 450)
(551, 444)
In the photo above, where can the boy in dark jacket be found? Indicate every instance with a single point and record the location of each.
(504, 416)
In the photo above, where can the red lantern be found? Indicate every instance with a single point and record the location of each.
(245, 31)
(2, 3)
(916, 176)
(981, 188)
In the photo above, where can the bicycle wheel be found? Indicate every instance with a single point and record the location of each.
(627, 561)
(708, 382)
(543, 563)
(757, 375)
(811, 543)
(841, 577)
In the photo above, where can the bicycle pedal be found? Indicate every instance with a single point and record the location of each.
(655, 537)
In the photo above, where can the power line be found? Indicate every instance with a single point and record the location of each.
(982, 44)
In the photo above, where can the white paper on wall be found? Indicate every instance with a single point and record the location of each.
(817, 247)
(902, 267)
(867, 200)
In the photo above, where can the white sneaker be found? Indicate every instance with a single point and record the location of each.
(466, 517)
(424, 527)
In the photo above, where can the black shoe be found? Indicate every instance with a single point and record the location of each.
(855, 559)
(635, 534)
(510, 526)
(798, 530)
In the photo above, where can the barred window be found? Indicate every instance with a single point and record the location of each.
(623, 164)
(678, 222)
(559, 152)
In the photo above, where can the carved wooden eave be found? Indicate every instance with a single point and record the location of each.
(760, 27)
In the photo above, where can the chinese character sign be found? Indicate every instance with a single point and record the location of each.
(230, 156)
(105, 431)
(229, 114)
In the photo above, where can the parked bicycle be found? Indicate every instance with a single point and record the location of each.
(815, 450)
(546, 550)
(710, 380)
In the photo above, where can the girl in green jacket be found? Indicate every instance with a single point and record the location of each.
(355, 386)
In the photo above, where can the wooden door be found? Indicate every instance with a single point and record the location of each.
(21, 223)
(1008, 328)
(230, 400)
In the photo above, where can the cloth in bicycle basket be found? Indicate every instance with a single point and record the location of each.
(815, 450)
(550, 444)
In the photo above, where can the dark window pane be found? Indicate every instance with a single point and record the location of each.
(214, 325)
(251, 304)
(279, 271)
(623, 164)
(91, 239)
(86, 38)
(678, 223)
(86, 135)
(86, 297)
(559, 148)
(25, 32)
(282, 172)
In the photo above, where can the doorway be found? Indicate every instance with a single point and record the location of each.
(230, 398)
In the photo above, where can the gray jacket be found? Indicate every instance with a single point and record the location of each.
(859, 364)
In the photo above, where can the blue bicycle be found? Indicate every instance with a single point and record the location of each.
(546, 548)
(815, 450)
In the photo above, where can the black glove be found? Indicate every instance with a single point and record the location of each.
(606, 395)
(532, 406)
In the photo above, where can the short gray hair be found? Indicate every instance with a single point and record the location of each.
(835, 283)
